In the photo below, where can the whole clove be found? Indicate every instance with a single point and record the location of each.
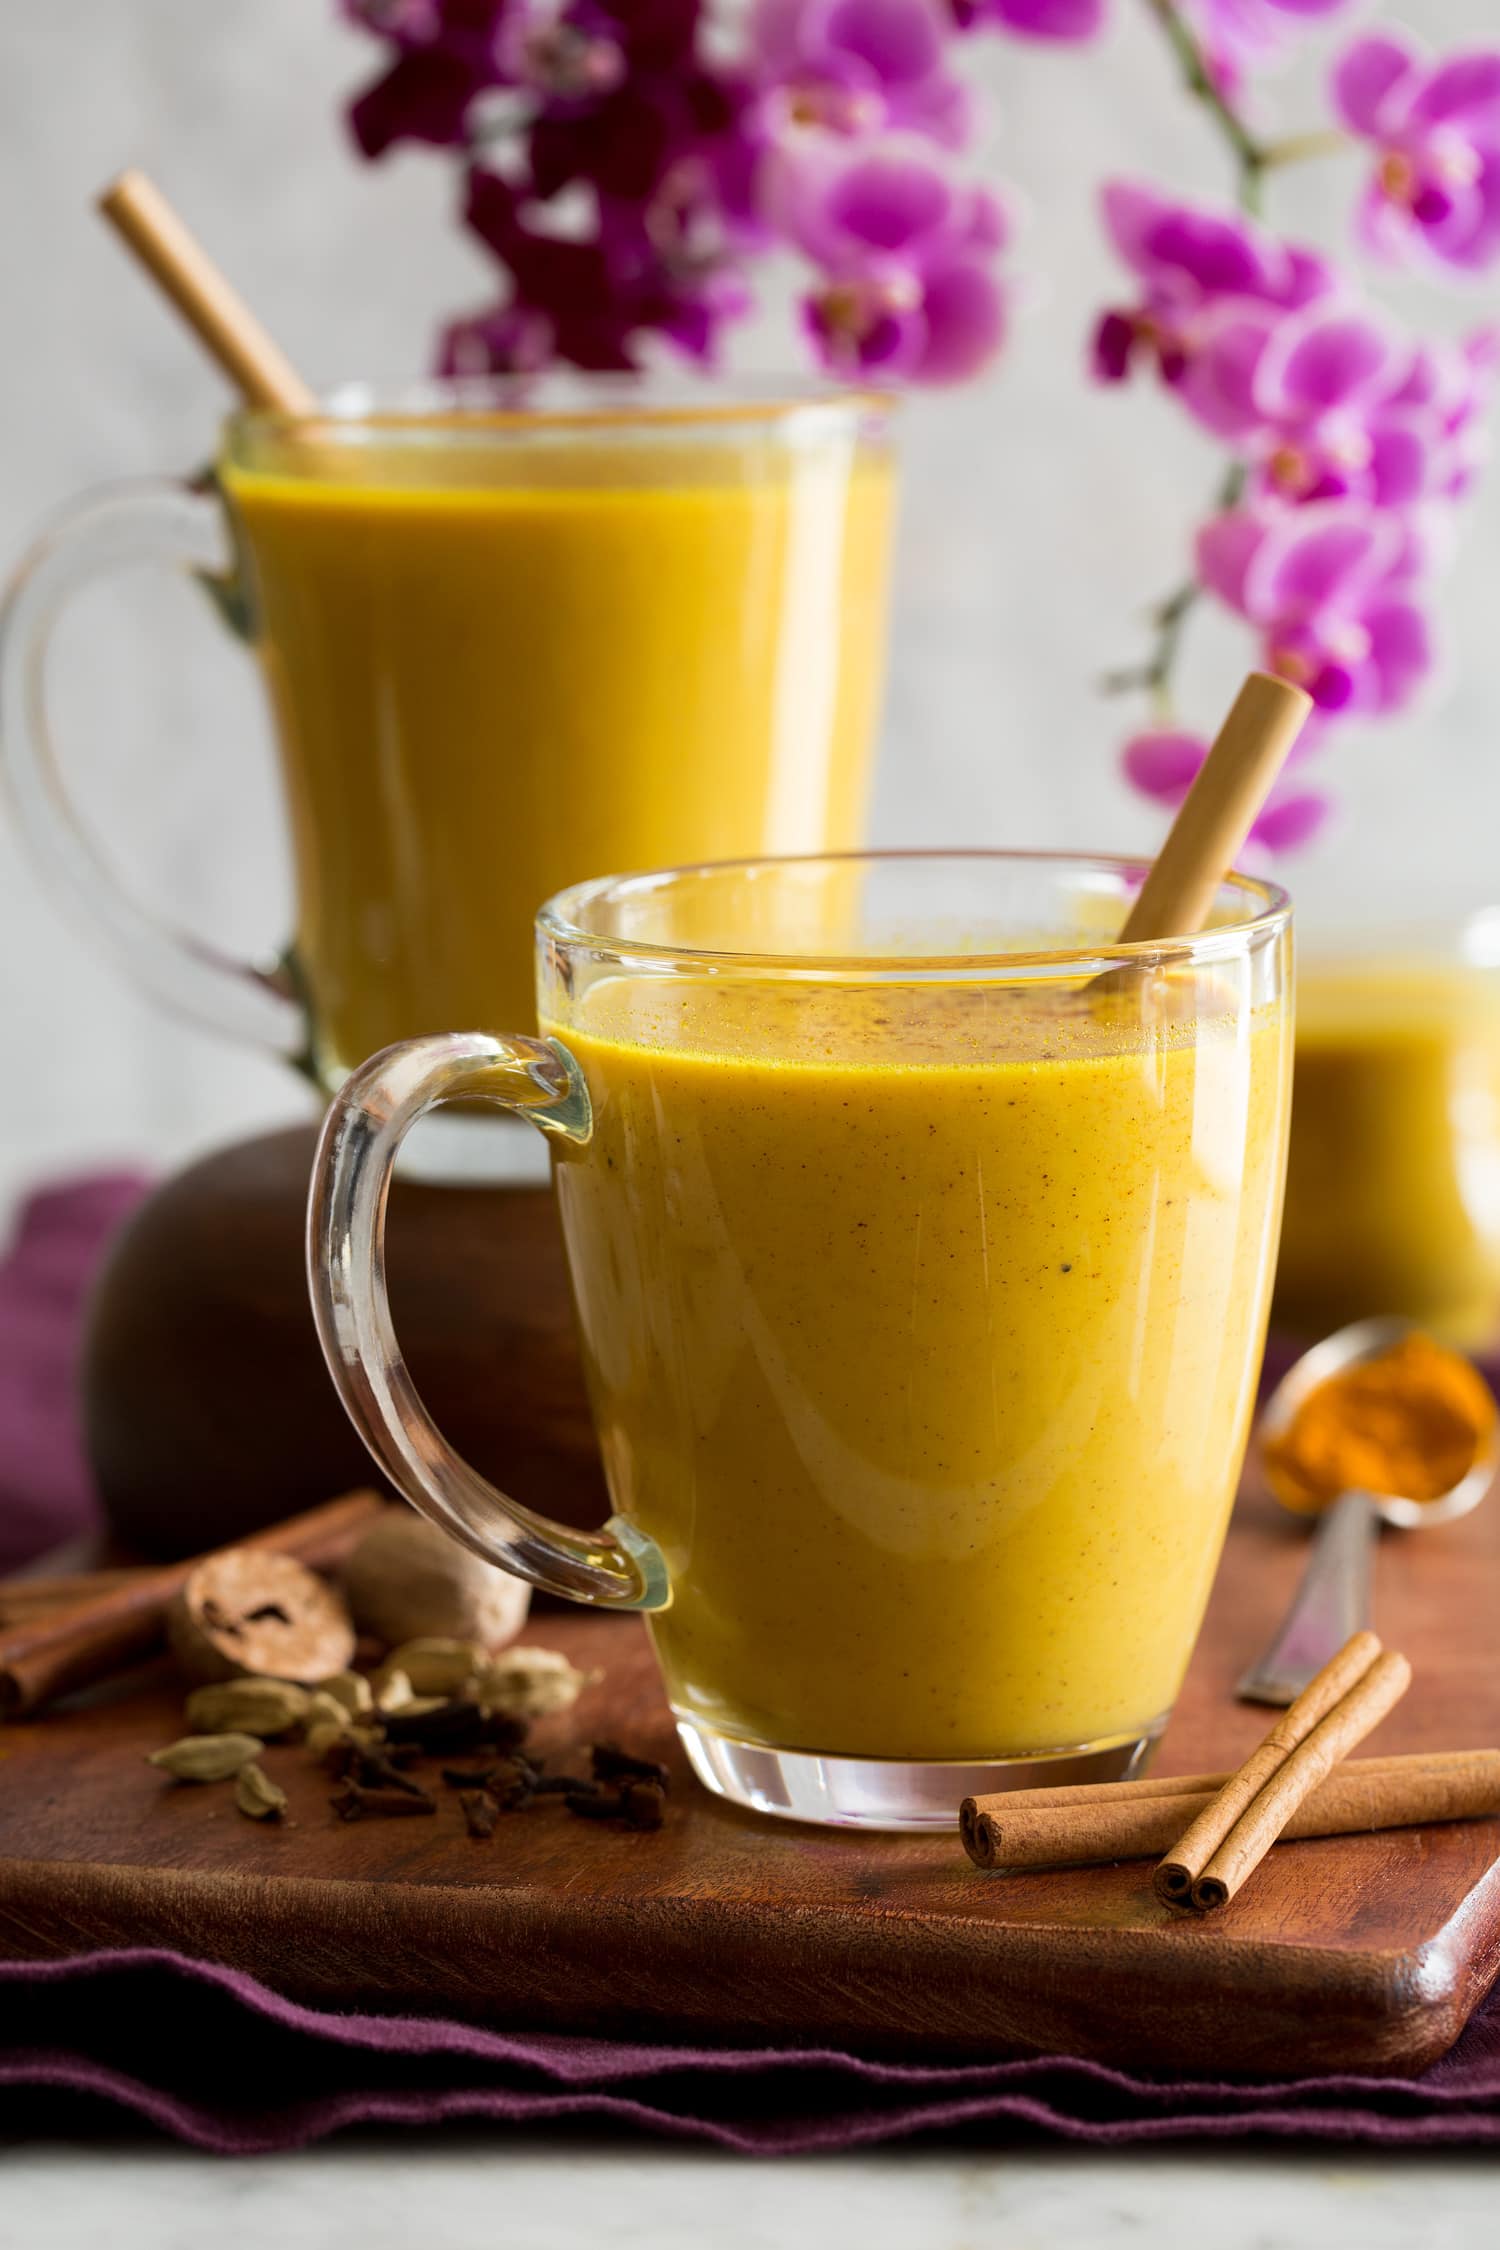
(512, 1783)
(456, 1725)
(352, 1801)
(638, 1804)
(595, 1803)
(611, 1763)
(644, 1804)
(480, 1812)
(372, 1769)
(564, 1785)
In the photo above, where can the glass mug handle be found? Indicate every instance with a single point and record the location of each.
(616, 1567)
(155, 521)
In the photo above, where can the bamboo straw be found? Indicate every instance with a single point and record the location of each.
(1216, 816)
(218, 316)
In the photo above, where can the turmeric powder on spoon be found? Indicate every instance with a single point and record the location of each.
(1410, 1422)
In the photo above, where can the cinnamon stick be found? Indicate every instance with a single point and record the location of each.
(1265, 1819)
(1350, 1695)
(45, 1597)
(47, 1657)
(1124, 1820)
(1176, 1876)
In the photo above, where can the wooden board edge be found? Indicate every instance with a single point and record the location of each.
(1388, 2014)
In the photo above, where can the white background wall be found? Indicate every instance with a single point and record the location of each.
(1041, 516)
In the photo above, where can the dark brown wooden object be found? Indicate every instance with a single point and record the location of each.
(1362, 1953)
(208, 1411)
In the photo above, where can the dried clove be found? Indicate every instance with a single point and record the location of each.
(373, 1770)
(595, 1803)
(466, 1777)
(611, 1763)
(480, 1812)
(352, 1801)
(644, 1804)
(455, 1725)
(512, 1783)
(564, 1785)
(639, 1804)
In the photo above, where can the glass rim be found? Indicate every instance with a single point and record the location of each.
(491, 409)
(563, 919)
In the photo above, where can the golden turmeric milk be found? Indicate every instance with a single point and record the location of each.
(1393, 1177)
(922, 1327)
(494, 672)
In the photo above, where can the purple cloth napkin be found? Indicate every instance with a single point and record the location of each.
(45, 1496)
(215, 2058)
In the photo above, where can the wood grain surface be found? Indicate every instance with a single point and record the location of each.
(1363, 1953)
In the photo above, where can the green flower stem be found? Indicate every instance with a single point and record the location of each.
(1252, 158)
(1250, 153)
(1299, 148)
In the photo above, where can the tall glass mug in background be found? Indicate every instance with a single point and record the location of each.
(1393, 1183)
(502, 648)
(922, 1284)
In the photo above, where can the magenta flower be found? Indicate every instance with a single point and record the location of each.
(1240, 36)
(1164, 765)
(1436, 126)
(1329, 587)
(1057, 20)
(448, 52)
(1192, 262)
(907, 254)
(859, 66)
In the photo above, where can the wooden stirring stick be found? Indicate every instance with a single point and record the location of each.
(1215, 817)
(217, 315)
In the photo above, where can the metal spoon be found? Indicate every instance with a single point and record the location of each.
(1333, 1599)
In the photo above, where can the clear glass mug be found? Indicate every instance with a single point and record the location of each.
(922, 1291)
(1393, 1182)
(501, 646)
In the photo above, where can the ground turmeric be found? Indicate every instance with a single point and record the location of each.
(1410, 1422)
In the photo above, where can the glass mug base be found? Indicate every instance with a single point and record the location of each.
(892, 1793)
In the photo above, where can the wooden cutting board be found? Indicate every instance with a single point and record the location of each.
(1366, 1953)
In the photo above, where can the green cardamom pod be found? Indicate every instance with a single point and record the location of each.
(434, 1667)
(257, 1795)
(351, 1689)
(207, 1757)
(393, 1690)
(528, 1683)
(261, 1707)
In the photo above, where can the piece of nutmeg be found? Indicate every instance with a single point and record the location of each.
(405, 1580)
(247, 1613)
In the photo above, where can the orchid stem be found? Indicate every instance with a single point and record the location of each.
(1249, 152)
(1299, 148)
(1253, 158)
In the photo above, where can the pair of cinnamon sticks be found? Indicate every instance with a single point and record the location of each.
(1215, 1829)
